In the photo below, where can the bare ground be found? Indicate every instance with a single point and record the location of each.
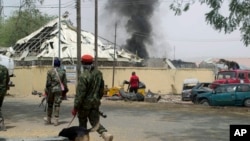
(24, 118)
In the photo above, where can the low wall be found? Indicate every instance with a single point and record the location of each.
(158, 80)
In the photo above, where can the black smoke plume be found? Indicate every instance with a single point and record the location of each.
(138, 26)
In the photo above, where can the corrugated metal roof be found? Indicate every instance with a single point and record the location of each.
(243, 62)
(44, 43)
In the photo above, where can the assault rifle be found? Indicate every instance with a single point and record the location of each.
(42, 102)
(43, 99)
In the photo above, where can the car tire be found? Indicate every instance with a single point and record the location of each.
(194, 100)
(182, 98)
(247, 103)
(204, 102)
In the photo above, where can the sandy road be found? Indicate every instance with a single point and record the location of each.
(128, 121)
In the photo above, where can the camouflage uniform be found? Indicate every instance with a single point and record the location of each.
(89, 92)
(4, 82)
(54, 90)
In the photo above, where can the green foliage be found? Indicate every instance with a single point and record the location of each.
(31, 3)
(21, 24)
(238, 18)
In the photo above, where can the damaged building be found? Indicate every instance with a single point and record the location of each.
(41, 46)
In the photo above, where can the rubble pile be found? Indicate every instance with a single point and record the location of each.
(170, 98)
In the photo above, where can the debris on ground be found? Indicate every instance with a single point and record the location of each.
(152, 97)
(172, 98)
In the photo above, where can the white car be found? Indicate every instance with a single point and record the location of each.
(188, 84)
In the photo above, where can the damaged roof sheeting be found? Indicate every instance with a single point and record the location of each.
(44, 43)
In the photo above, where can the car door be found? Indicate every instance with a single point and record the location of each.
(242, 92)
(224, 96)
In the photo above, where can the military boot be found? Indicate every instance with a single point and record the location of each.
(2, 126)
(57, 110)
(56, 123)
(47, 120)
(106, 136)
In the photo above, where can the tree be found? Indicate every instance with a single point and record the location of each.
(23, 22)
(237, 19)
(30, 3)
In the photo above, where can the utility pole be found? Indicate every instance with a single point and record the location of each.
(114, 61)
(1, 9)
(174, 52)
(96, 34)
(2, 15)
(78, 19)
(59, 31)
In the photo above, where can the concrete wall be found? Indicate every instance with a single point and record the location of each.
(158, 80)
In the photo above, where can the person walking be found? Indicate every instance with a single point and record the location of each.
(89, 92)
(134, 83)
(4, 86)
(56, 83)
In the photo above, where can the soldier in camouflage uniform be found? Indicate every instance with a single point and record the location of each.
(4, 86)
(89, 91)
(54, 91)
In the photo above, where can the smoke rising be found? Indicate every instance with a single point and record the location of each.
(138, 25)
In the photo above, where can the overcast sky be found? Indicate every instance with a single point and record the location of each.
(179, 37)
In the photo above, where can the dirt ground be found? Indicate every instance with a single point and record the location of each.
(24, 118)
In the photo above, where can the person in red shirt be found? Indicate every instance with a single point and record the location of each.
(134, 83)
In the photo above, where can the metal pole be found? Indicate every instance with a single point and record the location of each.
(114, 61)
(1, 10)
(96, 34)
(174, 52)
(59, 31)
(78, 19)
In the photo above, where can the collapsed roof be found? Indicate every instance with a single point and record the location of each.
(214, 62)
(44, 44)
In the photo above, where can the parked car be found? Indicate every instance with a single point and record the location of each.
(188, 84)
(227, 95)
(201, 87)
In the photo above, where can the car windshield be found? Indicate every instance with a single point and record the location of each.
(226, 75)
(188, 86)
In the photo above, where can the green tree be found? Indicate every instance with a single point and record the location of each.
(23, 22)
(238, 17)
(30, 3)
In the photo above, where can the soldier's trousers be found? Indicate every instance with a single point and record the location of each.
(2, 95)
(54, 101)
(93, 116)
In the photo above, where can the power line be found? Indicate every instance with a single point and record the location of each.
(205, 40)
(88, 4)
